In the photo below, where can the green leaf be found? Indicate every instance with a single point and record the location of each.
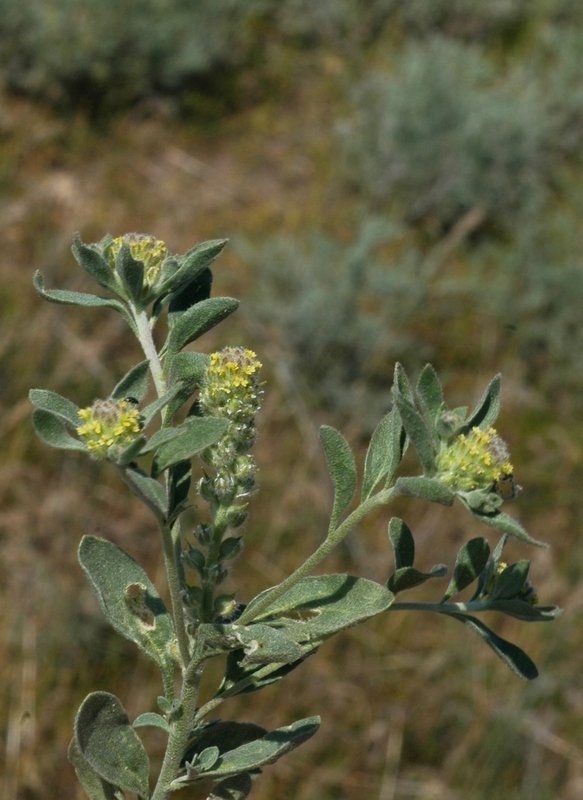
(426, 489)
(134, 383)
(520, 609)
(66, 298)
(514, 658)
(94, 265)
(401, 383)
(56, 405)
(193, 263)
(384, 453)
(95, 787)
(52, 430)
(131, 272)
(506, 524)
(256, 754)
(487, 410)
(225, 736)
(150, 411)
(342, 470)
(262, 644)
(151, 719)
(470, 563)
(239, 679)
(188, 370)
(163, 436)
(416, 430)
(148, 490)
(430, 395)
(318, 607)
(197, 320)
(198, 433)
(409, 577)
(129, 600)
(237, 787)
(110, 745)
(179, 479)
(510, 581)
(403, 543)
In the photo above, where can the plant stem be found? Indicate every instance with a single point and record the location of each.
(256, 609)
(180, 730)
(149, 348)
(439, 608)
(171, 561)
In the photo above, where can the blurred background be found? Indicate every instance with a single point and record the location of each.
(400, 179)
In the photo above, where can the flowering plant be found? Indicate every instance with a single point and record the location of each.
(268, 636)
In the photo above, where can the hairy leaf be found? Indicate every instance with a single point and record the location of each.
(151, 719)
(487, 410)
(403, 543)
(134, 383)
(426, 489)
(129, 600)
(96, 788)
(195, 321)
(470, 563)
(417, 431)
(94, 265)
(131, 272)
(52, 430)
(506, 524)
(187, 370)
(342, 470)
(237, 787)
(384, 453)
(198, 433)
(56, 405)
(409, 577)
(110, 745)
(430, 395)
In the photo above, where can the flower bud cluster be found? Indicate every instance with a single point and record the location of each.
(150, 251)
(474, 461)
(107, 423)
(232, 390)
(527, 592)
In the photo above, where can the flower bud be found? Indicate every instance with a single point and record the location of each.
(150, 251)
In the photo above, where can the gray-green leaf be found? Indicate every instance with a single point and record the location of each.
(237, 787)
(96, 788)
(187, 370)
(52, 430)
(195, 321)
(342, 470)
(151, 719)
(409, 577)
(256, 754)
(109, 744)
(514, 658)
(129, 600)
(426, 489)
(403, 543)
(417, 431)
(198, 433)
(384, 453)
(131, 272)
(487, 410)
(134, 383)
(470, 563)
(506, 524)
(430, 395)
(56, 405)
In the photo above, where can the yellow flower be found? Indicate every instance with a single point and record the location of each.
(476, 461)
(147, 249)
(107, 423)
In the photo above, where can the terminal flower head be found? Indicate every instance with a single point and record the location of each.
(109, 422)
(232, 388)
(143, 247)
(478, 460)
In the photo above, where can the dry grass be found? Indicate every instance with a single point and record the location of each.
(412, 707)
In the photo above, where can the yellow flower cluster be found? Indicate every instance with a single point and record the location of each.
(147, 249)
(231, 385)
(475, 461)
(109, 422)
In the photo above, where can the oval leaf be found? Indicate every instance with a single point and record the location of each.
(430, 395)
(95, 787)
(506, 524)
(487, 410)
(52, 430)
(426, 489)
(470, 563)
(384, 453)
(342, 470)
(129, 599)
(403, 543)
(58, 406)
(94, 264)
(110, 745)
(198, 433)
(131, 272)
(134, 384)
(417, 431)
(188, 370)
(197, 320)
(151, 719)
(409, 577)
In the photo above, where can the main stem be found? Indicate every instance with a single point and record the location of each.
(256, 609)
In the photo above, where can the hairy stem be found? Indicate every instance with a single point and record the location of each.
(255, 609)
(149, 348)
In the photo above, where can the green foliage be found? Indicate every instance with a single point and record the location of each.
(461, 456)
